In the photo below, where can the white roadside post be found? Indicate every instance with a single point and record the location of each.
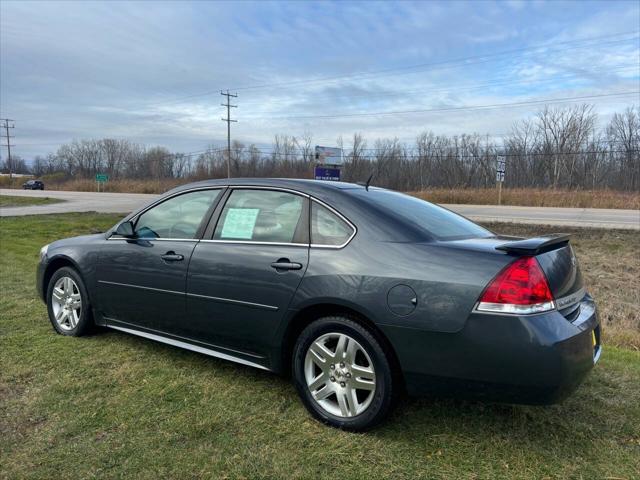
(501, 163)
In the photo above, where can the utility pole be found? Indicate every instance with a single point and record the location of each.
(228, 120)
(8, 145)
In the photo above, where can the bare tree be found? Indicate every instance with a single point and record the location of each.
(624, 134)
(558, 147)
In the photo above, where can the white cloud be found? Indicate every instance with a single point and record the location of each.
(76, 70)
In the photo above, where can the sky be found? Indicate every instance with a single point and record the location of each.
(152, 72)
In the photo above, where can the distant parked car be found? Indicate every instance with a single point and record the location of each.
(359, 292)
(33, 185)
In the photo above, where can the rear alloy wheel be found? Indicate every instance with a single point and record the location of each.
(68, 303)
(342, 374)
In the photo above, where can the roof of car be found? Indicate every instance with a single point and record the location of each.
(312, 187)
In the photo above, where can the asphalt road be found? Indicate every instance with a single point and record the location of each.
(126, 202)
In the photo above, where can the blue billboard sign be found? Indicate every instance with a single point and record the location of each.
(325, 173)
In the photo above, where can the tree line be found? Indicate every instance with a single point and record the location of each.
(558, 147)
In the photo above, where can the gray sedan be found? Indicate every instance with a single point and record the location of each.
(359, 293)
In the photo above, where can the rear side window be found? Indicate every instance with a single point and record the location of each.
(435, 221)
(262, 216)
(327, 228)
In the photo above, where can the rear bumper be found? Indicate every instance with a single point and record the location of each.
(533, 359)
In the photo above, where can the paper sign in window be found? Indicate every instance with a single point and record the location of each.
(239, 223)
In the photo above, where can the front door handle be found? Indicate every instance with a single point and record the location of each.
(172, 257)
(285, 264)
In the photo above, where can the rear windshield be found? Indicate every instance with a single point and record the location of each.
(436, 221)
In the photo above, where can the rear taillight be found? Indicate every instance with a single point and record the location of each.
(520, 288)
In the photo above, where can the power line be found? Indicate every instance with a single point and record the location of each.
(479, 59)
(465, 87)
(401, 152)
(449, 109)
(384, 72)
(402, 144)
(228, 120)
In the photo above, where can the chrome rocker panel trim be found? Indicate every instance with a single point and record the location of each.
(189, 346)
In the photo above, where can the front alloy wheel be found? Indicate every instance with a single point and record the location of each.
(66, 303)
(343, 373)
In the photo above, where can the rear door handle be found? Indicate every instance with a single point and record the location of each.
(172, 257)
(285, 264)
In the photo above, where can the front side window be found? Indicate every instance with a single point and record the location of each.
(327, 228)
(178, 217)
(262, 216)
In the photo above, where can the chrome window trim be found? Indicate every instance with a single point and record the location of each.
(189, 346)
(254, 187)
(160, 239)
(181, 192)
(266, 187)
(250, 242)
(354, 229)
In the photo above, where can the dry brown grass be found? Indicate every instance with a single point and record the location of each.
(610, 263)
(534, 197)
(119, 186)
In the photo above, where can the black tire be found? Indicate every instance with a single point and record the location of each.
(85, 322)
(384, 394)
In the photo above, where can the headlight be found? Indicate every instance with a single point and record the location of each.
(43, 251)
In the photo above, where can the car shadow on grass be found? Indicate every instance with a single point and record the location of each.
(579, 416)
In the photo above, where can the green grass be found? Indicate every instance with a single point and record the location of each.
(115, 406)
(17, 201)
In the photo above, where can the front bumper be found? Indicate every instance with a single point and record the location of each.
(533, 359)
(42, 266)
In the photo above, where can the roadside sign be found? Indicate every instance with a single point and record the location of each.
(499, 176)
(326, 173)
(501, 163)
(101, 178)
(329, 155)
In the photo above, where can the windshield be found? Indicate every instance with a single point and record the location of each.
(436, 221)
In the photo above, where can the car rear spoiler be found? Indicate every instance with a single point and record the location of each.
(535, 245)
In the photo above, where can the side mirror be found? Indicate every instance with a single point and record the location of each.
(125, 229)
